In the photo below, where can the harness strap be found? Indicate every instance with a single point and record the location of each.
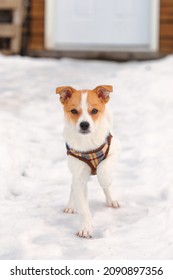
(94, 157)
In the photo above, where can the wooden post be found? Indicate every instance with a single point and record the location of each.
(12, 30)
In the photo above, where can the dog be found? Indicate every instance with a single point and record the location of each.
(91, 147)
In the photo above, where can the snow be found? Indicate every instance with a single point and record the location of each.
(34, 177)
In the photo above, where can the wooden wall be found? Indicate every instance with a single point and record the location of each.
(36, 40)
(166, 26)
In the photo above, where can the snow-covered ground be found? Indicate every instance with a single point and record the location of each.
(34, 177)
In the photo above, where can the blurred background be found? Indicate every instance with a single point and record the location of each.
(103, 29)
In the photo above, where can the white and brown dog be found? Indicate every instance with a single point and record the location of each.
(91, 148)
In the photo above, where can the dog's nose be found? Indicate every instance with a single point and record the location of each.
(84, 125)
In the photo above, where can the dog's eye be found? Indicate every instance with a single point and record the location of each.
(74, 111)
(94, 111)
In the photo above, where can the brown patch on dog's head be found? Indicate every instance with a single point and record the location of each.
(97, 98)
(71, 99)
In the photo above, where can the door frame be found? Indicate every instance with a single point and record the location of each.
(49, 31)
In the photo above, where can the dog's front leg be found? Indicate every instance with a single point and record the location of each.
(80, 194)
(80, 175)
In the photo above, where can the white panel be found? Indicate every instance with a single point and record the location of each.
(84, 8)
(124, 9)
(101, 24)
(107, 22)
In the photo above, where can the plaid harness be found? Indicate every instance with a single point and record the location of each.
(92, 158)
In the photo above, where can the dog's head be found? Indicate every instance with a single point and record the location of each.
(84, 108)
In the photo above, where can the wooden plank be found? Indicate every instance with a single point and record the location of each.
(36, 5)
(165, 17)
(166, 26)
(36, 42)
(37, 14)
(37, 38)
(167, 41)
(37, 9)
(166, 20)
(7, 30)
(9, 4)
(165, 2)
(166, 48)
(166, 13)
(167, 10)
(166, 29)
(37, 26)
(166, 5)
(34, 47)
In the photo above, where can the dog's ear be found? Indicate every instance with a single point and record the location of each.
(103, 92)
(65, 93)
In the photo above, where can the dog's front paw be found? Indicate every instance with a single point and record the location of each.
(113, 203)
(85, 230)
(70, 210)
(84, 233)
